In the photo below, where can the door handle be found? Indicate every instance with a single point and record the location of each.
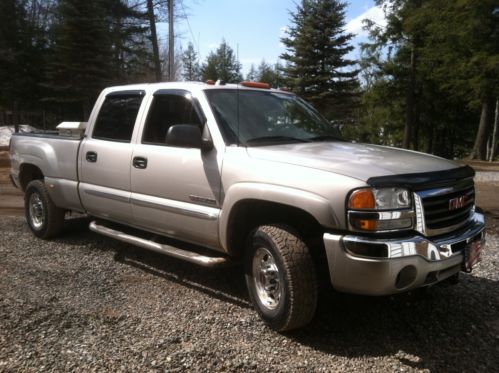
(140, 162)
(91, 157)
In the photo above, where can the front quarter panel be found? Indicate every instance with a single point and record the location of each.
(320, 193)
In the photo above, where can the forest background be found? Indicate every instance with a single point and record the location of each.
(428, 80)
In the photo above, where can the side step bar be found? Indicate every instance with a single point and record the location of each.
(189, 256)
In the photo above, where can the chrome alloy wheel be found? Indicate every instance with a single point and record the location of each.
(36, 211)
(267, 279)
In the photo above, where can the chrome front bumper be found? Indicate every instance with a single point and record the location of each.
(402, 264)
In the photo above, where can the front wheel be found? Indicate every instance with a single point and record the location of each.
(44, 218)
(281, 278)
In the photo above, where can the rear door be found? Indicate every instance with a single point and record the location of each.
(105, 157)
(175, 190)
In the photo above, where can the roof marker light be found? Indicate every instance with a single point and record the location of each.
(255, 85)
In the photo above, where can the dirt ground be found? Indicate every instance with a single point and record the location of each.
(11, 199)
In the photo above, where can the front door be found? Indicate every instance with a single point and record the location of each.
(175, 190)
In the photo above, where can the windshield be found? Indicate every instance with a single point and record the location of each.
(257, 118)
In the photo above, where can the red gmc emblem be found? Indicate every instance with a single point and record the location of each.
(457, 203)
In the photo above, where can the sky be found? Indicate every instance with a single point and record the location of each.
(253, 28)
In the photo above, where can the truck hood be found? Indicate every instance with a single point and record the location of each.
(360, 161)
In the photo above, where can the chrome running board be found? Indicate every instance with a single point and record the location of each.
(189, 256)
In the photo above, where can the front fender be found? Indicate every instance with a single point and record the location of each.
(315, 205)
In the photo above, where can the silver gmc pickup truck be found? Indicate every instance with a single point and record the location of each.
(221, 173)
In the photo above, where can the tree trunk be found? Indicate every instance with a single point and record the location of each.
(480, 147)
(410, 101)
(154, 40)
(494, 133)
(171, 47)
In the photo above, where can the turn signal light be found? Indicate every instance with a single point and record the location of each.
(362, 199)
(365, 224)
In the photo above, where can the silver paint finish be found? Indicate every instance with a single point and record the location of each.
(64, 193)
(161, 192)
(360, 161)
(105, 184)
(177, 207)
(55, 157)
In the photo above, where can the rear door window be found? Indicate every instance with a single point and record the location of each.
(117, 116)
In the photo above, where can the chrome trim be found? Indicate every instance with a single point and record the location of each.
(432, 261)
(435, 192)
(114, 197)
(177, 207)
(420, 221)
(422, 246)
(382, 215)
(189, 256)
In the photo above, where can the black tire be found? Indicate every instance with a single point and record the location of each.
(44, 218)
(286, 299)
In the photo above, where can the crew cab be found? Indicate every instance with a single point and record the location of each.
(222, 173)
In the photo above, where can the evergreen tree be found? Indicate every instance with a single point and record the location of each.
(130, 41)
(16, 54)
(441, 70)
(81, 63)
(252, 74)
(191, 69)
(316, 64)
(222, 65)
(267, 73)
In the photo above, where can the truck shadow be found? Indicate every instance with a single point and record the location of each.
(441, 329)
(226, 284)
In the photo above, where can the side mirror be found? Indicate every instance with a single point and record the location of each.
(189, 136)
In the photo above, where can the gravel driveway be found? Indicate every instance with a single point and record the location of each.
(89, 303)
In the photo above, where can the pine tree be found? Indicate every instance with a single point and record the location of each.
(252, 74)
(316, 64)
(15, 51)
(269, 74)
(191, 69)
(81, 64)
(222, 65)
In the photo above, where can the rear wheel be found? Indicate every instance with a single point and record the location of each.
(281, 278)
(44, 218)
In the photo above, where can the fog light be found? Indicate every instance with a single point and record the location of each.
(406, 277)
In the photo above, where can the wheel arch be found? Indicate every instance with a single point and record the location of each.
(246, 215)
(29, 172)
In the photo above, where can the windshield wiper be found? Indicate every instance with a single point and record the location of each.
(274, 139)
(325, 138)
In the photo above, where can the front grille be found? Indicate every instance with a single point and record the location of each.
(449, 207)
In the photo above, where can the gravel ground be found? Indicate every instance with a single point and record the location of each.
(84, 302)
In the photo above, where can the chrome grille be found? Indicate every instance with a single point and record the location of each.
(448, 207)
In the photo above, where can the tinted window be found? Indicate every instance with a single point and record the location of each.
(117, 117)
(167, 110)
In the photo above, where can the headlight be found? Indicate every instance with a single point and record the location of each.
(380, 199)
(384, 209)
